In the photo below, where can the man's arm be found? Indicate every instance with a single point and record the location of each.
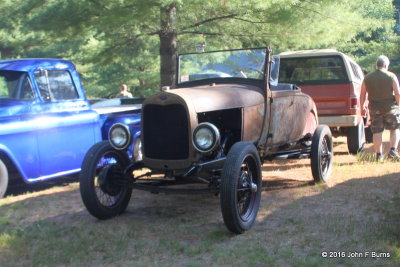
(396, 89)
(363, 96)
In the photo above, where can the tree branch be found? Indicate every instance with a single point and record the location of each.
(222, 34)
(210, 20)
(252, 21)
(98, 4)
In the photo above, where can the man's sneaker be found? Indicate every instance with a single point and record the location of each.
(393, 154)
(379, 157)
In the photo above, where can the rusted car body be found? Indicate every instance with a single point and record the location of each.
(215, 130)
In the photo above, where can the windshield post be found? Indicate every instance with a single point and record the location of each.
(267, 71)
(267, 102)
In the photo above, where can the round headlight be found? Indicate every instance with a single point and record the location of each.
(119, 136)
(206, 137)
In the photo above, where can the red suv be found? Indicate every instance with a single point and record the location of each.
(333, 80)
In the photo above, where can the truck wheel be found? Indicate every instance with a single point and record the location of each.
(356, 138)
(321, 154)
(3, 179)
(241, 183)
(101, 165)
(368, 135)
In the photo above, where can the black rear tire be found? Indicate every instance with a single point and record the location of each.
(321, 154)
(101, 165)
(356, 138)
(3, 179)
(369, 135)
(241, 184)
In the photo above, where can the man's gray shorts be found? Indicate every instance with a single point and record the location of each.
(381, 120)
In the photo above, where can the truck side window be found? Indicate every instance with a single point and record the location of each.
(354, 68)
(9, 81)
(26, 90)
(56, 85)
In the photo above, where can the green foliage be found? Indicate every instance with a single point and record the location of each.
(3, 88)
(118, 41)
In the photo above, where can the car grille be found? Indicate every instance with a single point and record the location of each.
(165, 130)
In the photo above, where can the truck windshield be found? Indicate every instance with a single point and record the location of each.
(312, 70)
(245, 64)
(15, 85)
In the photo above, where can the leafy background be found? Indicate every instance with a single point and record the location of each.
(120, 41)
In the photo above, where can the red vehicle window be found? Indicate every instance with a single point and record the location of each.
(313, 70)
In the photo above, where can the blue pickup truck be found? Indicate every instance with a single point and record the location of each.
(46, 122)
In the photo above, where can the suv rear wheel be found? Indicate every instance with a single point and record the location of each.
(356, 138)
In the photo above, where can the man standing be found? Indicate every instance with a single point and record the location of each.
(123, 91)
(382, 89)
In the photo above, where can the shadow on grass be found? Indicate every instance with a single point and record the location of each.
(275, 184)
(18, 187)
(360, 215)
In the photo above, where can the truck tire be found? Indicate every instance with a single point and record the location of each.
(3, 179)
(369, 135)
(321, 154)
(102, 198)
(241, 183)
(356, 138)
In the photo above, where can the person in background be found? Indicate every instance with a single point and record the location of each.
(381, 87)
(123, 91)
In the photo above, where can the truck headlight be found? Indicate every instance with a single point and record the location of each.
(120, 136)
(206, 137)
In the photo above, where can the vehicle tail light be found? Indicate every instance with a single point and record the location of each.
(354, 103)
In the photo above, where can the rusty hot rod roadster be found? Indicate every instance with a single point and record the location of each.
(225, 117)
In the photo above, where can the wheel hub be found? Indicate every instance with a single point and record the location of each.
(105, 181)
(254, 188)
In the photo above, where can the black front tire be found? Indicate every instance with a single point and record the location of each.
(241, 184)
(102, 198)
(356, 138)
(3, 179)
(321, 154)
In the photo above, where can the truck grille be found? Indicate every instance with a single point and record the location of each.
(165, 130)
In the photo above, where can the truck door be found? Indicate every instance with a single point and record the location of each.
(67, 127)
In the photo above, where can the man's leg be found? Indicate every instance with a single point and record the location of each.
(394, 138)
(392, 122)
(394, 142)
(377, 139)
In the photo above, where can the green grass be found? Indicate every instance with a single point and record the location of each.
(52, 228)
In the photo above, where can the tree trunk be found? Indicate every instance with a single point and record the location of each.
(168, 50)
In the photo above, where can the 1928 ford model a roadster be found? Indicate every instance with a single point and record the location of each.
(227, 115)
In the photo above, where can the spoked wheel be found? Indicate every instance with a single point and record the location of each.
(102, 197)
(241, 183)
(321, 154)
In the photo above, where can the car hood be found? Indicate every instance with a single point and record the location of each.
(219, 97)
